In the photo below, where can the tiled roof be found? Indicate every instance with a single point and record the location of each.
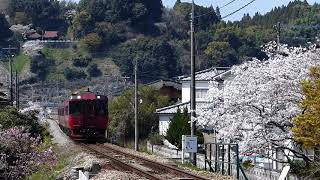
(208, 74)
(174, 108)
(160, 83)
(51, 34)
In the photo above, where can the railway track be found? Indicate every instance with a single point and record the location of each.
(122, 161)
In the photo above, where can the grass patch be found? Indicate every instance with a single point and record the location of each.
(58, 55)
(189, 166)
(20, 61)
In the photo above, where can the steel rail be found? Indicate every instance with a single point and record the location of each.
(120, 165)
(161, 166)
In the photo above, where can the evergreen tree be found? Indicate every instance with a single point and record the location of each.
(5, 32)
(179, 126)
(218, 13)
(177, 2)
(307, 124)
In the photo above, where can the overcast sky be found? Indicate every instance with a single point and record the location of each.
(261, 6)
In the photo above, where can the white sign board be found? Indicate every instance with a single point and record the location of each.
(190, 144)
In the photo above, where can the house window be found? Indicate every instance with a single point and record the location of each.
(201, 93)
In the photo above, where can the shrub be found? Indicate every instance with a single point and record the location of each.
(82, 61)
(247, 164)
(94, 71)
(11, 117)
(74, 74)
(23, 153)
(40, 65)
(156, 139)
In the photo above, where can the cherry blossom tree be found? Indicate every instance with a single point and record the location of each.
(257, 104)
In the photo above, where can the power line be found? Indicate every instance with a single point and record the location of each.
(239, 9)
(227, 4)
(218, 7)
(232, 1)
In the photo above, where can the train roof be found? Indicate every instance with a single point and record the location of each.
(84, 96)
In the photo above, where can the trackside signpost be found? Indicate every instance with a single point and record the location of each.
(189, 145)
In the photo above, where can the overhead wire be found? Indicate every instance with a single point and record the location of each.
(227, 4)
(232, 1)
(238, 9)
(218, 7)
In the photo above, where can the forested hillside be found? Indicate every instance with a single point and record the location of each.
(123, 32)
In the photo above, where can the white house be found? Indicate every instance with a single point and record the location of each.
(203, 79)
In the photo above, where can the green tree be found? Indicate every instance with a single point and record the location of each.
(156, 58)
(122, 114)
(82, 24)
(178, 126)
(92, 41)
(307, 124)
(109, 33)
(222, 53)
(5, 32)
(46, 14)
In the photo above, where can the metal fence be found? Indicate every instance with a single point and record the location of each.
(224, 158)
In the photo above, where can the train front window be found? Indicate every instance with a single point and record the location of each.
(75, 108)
(100, 108)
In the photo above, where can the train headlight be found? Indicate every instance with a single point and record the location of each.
(98, 97)
(78, 97)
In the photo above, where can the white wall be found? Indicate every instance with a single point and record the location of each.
(164, 121)
(186, 89)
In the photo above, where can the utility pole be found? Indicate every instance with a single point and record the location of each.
(11, 81)
(10, 66)
(136, 132)
(193, 84)
(17, 90)
(278, 36)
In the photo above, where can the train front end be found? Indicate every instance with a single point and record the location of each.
(88, 116)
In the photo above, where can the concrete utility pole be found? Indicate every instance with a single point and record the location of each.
(278, 35)
(136, 132)
(11, 82)
(17, 90)
(10, 66)
(193, 84)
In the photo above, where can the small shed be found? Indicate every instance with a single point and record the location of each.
(50, 35)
